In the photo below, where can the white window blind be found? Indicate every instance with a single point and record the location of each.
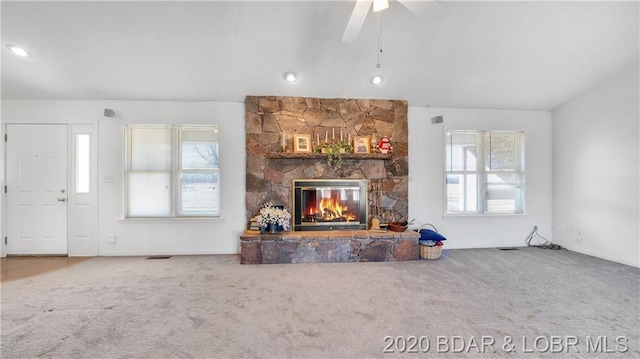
(484, 172)
(157, 157)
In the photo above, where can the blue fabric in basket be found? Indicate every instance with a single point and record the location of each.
(430, 235)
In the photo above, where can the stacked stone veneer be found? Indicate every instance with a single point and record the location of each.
(329, 246)
(270, 179)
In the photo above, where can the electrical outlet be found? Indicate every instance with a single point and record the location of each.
(579, 240)
(579, 231)
(111, 238)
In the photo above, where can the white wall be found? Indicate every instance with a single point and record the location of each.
(146, 237)
(193, 236)
(596, 170)
(426, 176)
(3, 228)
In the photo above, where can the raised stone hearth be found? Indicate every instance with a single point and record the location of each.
(329, 246)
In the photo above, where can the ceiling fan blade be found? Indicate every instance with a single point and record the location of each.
(359, 14)
(421, 8)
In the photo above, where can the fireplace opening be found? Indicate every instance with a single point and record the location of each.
(329, 204)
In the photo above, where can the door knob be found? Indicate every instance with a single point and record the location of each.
(61, 199)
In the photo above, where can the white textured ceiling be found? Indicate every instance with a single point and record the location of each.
(512, 55)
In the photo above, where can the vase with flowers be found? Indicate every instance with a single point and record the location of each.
(274, 218)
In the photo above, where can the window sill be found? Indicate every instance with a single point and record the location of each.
(483, 215)
(170, 219)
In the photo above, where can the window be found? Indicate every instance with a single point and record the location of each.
(484, 172)
(83, 163)
(172, 171)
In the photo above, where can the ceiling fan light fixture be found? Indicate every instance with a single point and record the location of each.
(379, 5)
(290, 76)
(376, 80)
(17, 50)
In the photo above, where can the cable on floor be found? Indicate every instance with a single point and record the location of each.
(546, 244)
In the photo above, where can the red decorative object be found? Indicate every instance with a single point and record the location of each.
(385, 145)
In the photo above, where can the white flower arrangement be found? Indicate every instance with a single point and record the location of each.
(269, 214)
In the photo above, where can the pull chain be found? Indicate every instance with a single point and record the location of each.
(378, 65)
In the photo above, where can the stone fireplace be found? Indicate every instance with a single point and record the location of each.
(270, 172)
(324, 232)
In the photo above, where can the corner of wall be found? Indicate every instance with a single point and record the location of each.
(596, 171)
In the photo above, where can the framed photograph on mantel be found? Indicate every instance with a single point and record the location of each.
(301, 143)
(361, 145)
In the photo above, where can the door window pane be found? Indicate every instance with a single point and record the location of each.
(83, 163)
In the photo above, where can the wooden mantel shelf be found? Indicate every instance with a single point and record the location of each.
(315, 155)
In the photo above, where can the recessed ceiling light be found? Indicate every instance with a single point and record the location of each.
(376, 80)
(290, 76)
(17, 50)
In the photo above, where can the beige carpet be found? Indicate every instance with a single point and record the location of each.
(213, 307)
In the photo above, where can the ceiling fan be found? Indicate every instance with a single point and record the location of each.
(361, 9)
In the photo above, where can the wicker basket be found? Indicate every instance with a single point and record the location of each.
(427, 252)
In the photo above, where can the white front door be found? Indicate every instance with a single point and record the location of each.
(36, 189)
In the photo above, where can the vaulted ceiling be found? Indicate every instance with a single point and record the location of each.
(512, 55)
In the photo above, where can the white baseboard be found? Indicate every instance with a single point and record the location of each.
(172, 253)
(599, 255)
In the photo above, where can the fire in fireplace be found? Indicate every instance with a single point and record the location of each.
(333, 204)
(329, 207)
